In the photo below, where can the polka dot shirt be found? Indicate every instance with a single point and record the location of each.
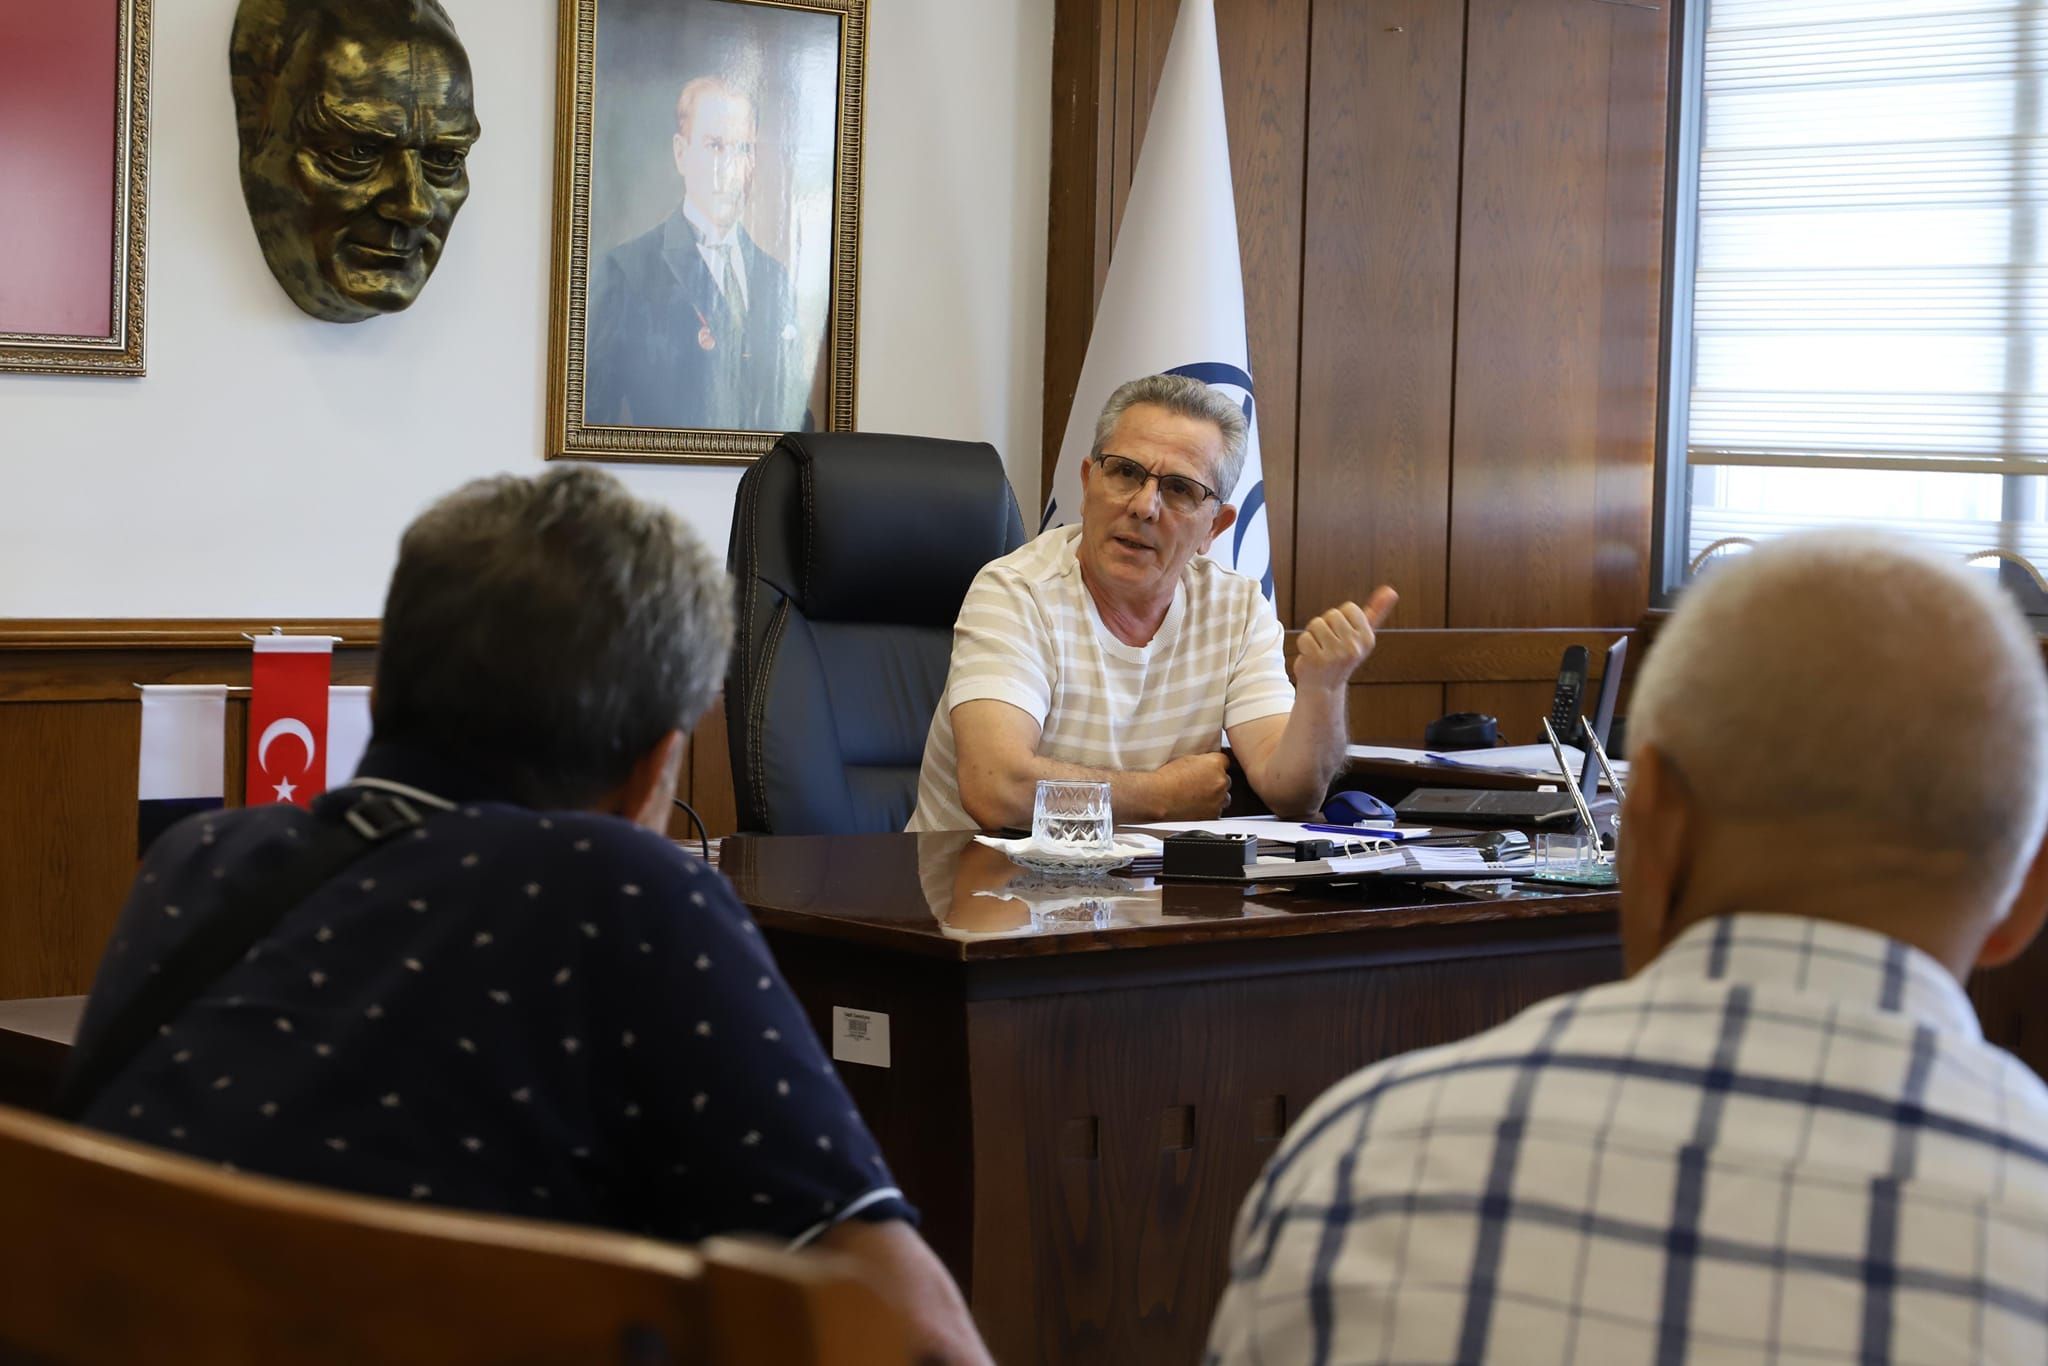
(551, 1014)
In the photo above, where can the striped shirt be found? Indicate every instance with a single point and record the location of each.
(1029, 634)
(1784, 1141)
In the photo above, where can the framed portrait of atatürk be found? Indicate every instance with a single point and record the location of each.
(74, 185)
(704, 294)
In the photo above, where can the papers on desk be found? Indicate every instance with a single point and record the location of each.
(1533, 761)
(1287, 832)
(1426, 861)
(1422, 859)
(1513, 758)
(1488, 854)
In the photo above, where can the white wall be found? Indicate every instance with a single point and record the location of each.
(267, 463)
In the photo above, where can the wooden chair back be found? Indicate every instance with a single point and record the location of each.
(113, 1252)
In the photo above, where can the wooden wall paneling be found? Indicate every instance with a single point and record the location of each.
(1561, 233)
(41, 635)
(710, 774)
(1520, 706)
(1631, 356)
(67, 839)
(71, 675)
(1265, 58)
(1392, 713)
(1078, 217)
(1414, 677)
(1378, 305)
(237, 790)
(97, 675)
(1503, 656)
(1528, 347)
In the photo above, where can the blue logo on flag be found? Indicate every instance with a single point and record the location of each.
(1252, 511)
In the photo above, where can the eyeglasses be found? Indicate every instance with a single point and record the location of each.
(1123, 476)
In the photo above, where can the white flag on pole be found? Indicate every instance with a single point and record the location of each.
(348, 730)
(1174, 299)
(182, 764)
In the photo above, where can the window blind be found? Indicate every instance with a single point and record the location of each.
(1869, 292)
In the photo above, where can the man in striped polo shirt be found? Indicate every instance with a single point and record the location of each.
(1113, 651)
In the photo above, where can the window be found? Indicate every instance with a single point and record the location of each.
(1859, 290)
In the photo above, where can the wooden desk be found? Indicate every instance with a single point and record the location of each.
(1082, 1088)
(1079, 1095)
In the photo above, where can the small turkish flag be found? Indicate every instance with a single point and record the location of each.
(288, 719)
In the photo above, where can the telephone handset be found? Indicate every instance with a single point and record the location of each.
(1566, 701)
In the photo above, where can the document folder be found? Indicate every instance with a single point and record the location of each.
(1494, 855)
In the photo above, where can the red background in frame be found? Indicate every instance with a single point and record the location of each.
(58, 70)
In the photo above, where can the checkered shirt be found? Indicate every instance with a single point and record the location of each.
(1785, 1141)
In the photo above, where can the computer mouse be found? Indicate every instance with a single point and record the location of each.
(1353, 808)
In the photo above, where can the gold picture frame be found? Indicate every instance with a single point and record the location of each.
(119, 349)
(704, 291)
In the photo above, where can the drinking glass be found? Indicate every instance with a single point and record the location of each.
(1070, 912)
(1564, 853)
(1071, 816)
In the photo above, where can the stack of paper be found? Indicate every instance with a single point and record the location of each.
(1288, 832)
(1421, 859)
(1534, 761)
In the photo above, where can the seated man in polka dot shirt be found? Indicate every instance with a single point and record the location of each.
(533, 1003)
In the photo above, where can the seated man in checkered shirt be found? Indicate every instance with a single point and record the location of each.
(1784, 1138)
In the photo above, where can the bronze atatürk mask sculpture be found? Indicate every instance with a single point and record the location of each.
(356, 119)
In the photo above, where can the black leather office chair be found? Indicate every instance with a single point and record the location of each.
(851, 552)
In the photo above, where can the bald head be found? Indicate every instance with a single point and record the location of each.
(1854, 675)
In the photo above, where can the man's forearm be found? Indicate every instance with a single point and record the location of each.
(997, 800)
(1295, 773)
(905, 1271)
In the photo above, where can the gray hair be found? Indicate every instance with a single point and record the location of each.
(1857, 676)
(1189, 398)
(545, 633)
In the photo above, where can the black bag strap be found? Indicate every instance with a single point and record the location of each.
(253, 902)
